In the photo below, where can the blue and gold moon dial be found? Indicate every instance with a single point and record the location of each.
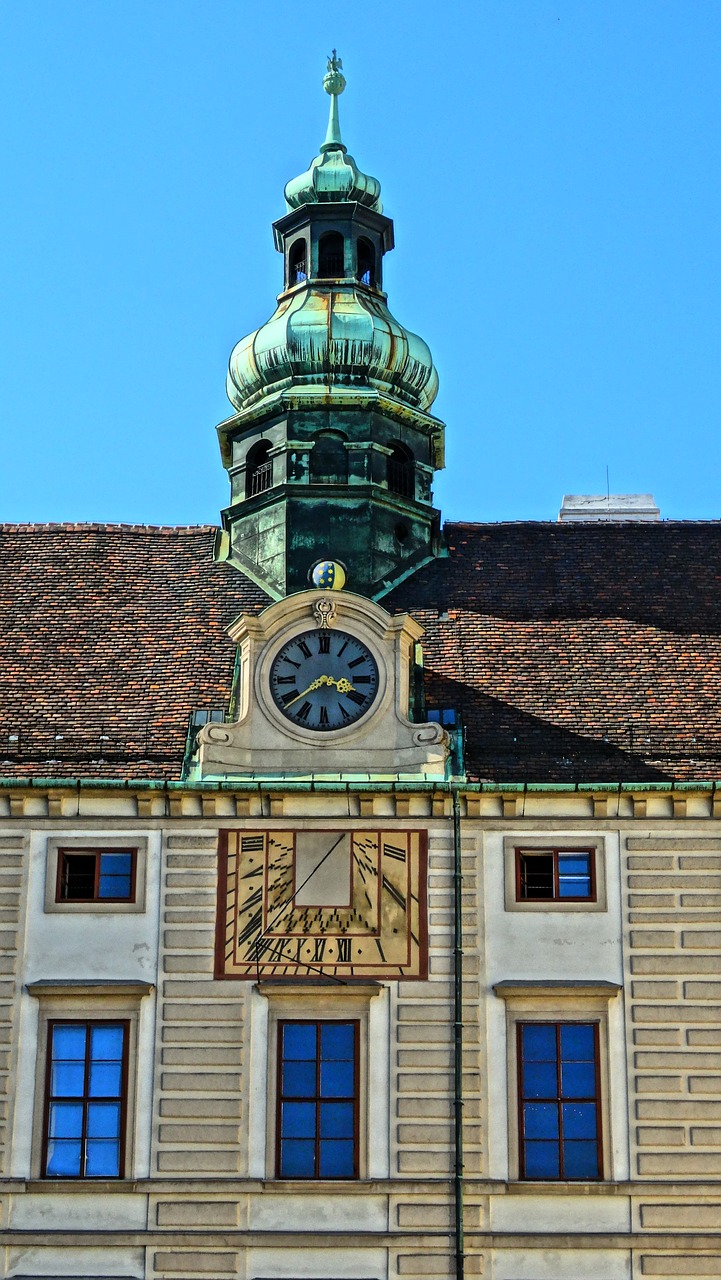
(324, 679)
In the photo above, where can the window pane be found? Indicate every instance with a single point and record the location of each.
(580, 1159)
(105, 1080)
(102, 1158)
(63, 1159)
(67, 1080)
(578, 1080)
(337, 1040)
(77, 876)
(66, 1120)
(337, 1120)
(540, 1120)
(69, 1042)
(115, 875)
(539, 1042)
(336, 1079)
(540, 1080)
(577, 1042)
(542, 1160)
(574, 874)
(298, 1120)
(579, 1120)
(104, 1120)
(537, 875)
(106, 1043)
(336, 1159)
(299, 1040)
(299, 1079)
(297, 1159)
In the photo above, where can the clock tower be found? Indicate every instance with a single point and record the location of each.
(331, 448)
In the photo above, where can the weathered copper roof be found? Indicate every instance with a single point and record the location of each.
(573, 652)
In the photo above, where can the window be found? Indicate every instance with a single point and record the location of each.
(258, 469)
(331, 264)
(329, 459)
(366, 262)
(401, 472)
(96, 875)
(85, 1099)
(552, 875)
(297, 266)
(558, 1098)
(317, 1123)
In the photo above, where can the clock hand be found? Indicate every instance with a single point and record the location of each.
(342, 685)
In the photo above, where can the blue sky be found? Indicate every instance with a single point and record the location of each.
(553, 172)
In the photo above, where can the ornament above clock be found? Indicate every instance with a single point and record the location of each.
(324, 689)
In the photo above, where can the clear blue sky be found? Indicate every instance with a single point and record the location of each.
(552, 167)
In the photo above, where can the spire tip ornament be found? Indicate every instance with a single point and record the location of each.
(334, 80)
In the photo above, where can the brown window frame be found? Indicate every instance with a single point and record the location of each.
(555, 851)
(88, 1023)
(280, 1098)
(596, 1098)
(97, 853)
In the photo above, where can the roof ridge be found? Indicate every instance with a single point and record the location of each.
(98, 527)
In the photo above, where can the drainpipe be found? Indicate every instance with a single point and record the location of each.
(458, 1035)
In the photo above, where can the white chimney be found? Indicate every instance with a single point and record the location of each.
(578, 508)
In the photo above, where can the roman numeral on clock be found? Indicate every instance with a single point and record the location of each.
(324, 642)
(358, 698)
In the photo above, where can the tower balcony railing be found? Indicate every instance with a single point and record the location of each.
(261, 479)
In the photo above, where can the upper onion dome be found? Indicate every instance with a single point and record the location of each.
(333, 175)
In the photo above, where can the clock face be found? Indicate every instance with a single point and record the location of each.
(324, 679)
(318, 904)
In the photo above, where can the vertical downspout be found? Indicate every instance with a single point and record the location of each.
(458, 1033)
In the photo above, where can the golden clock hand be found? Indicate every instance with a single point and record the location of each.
(344, 686)
(314, 685)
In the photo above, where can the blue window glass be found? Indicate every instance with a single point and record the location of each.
(96, 875)
(116, 875)
(86, 1103)
(317, 1104)
(559, 1107)
(574, 875)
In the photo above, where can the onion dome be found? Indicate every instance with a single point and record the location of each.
(344, 336)
(333, 175)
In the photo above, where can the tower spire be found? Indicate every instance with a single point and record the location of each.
(334, 84)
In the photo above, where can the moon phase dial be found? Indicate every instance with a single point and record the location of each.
(324, 679)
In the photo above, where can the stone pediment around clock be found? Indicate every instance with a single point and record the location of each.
(324, 691)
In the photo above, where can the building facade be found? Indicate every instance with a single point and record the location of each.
(360, 880)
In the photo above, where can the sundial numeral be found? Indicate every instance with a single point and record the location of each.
(344, 946)
(319, 945)
(391, 851)
(252, 844)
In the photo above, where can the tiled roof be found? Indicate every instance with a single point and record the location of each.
(584, 652)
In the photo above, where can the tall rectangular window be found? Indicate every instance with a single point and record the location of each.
(85, 1099)
(559, 1103)
(551, 875)
(317, 1123)
(96, 875)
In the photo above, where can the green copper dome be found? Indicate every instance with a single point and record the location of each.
(333, 175)
(343, 336)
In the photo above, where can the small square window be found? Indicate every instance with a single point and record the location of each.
(555, 875)
(558, 1098)
(317, 1124)
(96, 875)
(85, 1099)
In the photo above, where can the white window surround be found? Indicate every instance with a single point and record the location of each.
(554, 841)
(277, 1001)
(584, 1000)
(104, 843)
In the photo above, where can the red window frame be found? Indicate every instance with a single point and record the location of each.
(97, 854)
(281, 1097)
(555, 852)
(88, 1023)
(595, 1098)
